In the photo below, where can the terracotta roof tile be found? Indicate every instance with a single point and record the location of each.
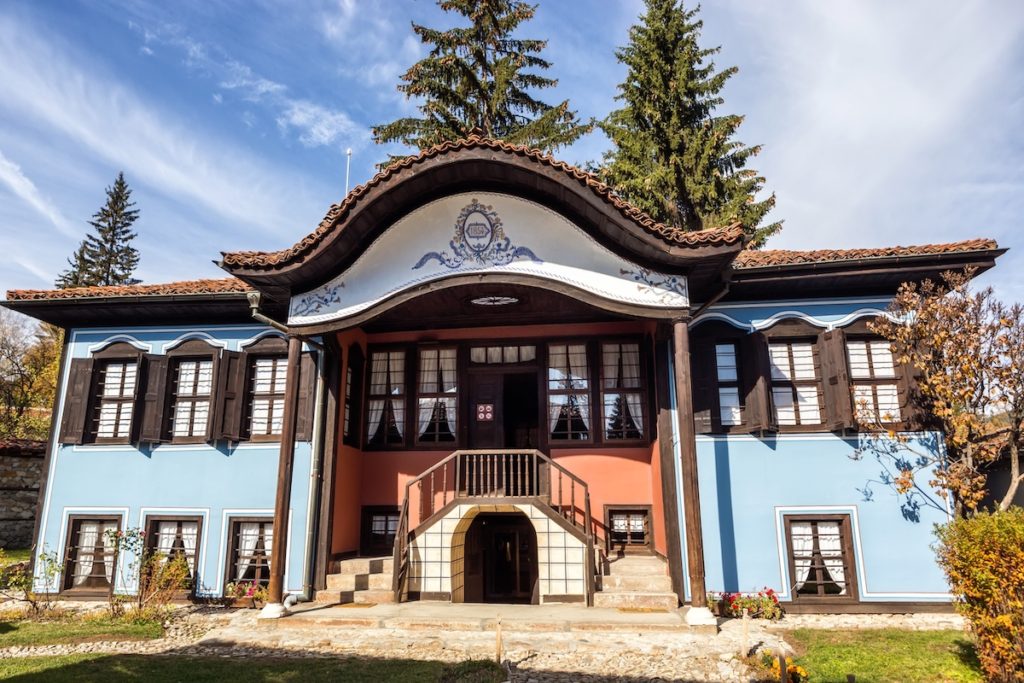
(782, 257)
(226, 285)
(262, 259)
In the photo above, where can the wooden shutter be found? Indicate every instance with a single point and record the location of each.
(912, 412)
(756, 371)
(307, 395)
(77, 400)
(230, 396)
(835, 385)
(703, 376)
(154, 399)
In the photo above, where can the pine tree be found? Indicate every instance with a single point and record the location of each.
(477, 78)
(107, 257)
(673, 155)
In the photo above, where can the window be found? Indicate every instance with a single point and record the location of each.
(730, 412)
(629, 528)
(268, 375)
(873, 375)
(498, 355)
(90, 554)
(385, 417)
(379, 527)
(820, 556)
(193, 390)
(353, 395)
(115, 399)
(568, 392)
(173, 538)
(252, 542)
(622, 396)
(795, 387)
(437, 396)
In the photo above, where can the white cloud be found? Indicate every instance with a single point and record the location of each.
(318, 126)
(12, 176)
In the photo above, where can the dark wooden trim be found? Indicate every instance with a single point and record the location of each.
(688, 464)
(332, 402)
(563, 598)
(284, 473)
(647, 546)
(366, 513)
(823, 606)
(849, 558)
(439, 596)
(66, 554)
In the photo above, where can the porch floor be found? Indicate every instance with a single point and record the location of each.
(443, 616)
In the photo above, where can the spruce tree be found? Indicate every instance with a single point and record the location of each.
(477, 79)
(106, 256)
(674, 156)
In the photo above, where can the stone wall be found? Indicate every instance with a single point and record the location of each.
(21, 475)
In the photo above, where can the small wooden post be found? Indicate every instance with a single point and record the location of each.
(497, 643)
(783, 669)
(746, 632)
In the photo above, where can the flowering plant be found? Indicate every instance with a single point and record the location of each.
(763, 604)
(795, 672)
(246, 590)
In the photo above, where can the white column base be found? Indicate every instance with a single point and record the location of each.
(273, 610)
(695, 616)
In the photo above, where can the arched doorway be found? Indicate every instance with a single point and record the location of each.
(501, 559)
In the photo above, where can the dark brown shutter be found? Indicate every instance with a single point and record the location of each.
(835, 375)
(77, 400)
(912, 413)
(154, 399)
(231, 396)
(306, 402)
(702, 372)
(756, 370)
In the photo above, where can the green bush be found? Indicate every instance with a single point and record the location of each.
(983, 557)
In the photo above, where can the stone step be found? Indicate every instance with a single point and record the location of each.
(637, 583)
(334, 597)
(640, 601)
(359, 582)
(366, 565)
(638, 566)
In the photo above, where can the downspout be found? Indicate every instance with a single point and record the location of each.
(726, 284)
(254, 309)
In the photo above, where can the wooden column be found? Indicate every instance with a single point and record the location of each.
(284, 474)
(688, 462)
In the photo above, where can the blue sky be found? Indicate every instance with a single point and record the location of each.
(882, 123)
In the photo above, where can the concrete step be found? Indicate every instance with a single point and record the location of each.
(366, 565)
(639, 601)
(359, 582)
(334, 597)
(638, 566)
(639, 583)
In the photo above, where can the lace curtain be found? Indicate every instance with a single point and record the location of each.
(438, 375)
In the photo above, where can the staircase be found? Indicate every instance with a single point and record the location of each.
(360, 580)
(638, 582)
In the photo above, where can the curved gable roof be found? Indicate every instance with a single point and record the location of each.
(477, 163)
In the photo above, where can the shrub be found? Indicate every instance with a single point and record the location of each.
(17, 582)
(763, 604)
(983, 557)
(158, 578)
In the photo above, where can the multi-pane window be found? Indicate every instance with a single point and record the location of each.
(730, 412)
(174, 538)
(193, 389)
(268, 375)
(385, 413)
(820, 556)
(437, 395)
(795, 387)
(90, 554)
(380, 525)
(252, 543)
(621, 391)
(568, 392)
(498, 355)
(116, 399)
(873, 375)
(628, 528)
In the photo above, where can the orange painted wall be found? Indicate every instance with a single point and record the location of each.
(348, 465)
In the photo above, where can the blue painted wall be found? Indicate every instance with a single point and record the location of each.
(195, 480)
(747, 484)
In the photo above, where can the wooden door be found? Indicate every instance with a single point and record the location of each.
(486, 426)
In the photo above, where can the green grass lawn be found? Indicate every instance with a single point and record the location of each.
(16, 555)
(886, 655)
(164, 669)
(76, 630)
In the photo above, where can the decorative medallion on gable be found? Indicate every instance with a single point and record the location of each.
(479, 241)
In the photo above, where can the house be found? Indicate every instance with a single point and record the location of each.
(486, 378)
